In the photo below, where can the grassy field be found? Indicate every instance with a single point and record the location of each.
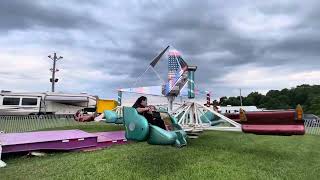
(215, 155)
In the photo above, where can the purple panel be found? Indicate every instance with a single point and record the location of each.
(106, 139)
(52, 145)
(110, 136)
(103, 139)
(59, 140)
(42, 136)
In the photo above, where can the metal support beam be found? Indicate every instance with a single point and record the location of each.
(119, 98)
(183, 117)
(170, 103)
(191, 70)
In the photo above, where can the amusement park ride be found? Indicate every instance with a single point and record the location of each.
(190, 117)
(194, 117)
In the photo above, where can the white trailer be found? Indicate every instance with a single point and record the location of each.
(12, 103)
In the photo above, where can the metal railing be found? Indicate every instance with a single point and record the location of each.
(12, 124)
(312, 126)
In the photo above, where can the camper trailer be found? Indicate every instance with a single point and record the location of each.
(12, 103)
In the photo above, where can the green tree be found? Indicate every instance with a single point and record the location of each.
(315, 106)
(233, 101)
(223, 100)
(255, 98)
(248, 101)
(306, 95)
(273, 93)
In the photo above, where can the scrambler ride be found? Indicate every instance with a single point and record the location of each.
(191, 118)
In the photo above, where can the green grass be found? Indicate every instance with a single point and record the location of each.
(214, 155)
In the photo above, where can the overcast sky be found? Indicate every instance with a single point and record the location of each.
(106, 45)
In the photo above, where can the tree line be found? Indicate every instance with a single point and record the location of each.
(308, 96)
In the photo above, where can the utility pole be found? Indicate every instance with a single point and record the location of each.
(53, 79)
(240, 98)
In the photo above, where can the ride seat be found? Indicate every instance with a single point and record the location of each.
(138, 129)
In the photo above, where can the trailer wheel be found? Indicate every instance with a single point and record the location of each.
(40, 115)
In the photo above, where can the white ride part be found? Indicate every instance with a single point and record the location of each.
(189, 118)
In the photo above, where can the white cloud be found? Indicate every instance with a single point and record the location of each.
(254, 24)
(23, 72)
(266, 78)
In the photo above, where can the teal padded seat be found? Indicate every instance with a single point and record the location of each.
(160, 136)
(137, 127)
(119, 120)
(110, 116)
(207, 117)
(153, 134)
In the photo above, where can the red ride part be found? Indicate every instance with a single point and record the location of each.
(271, 123)
(282, 129)
(272, 117)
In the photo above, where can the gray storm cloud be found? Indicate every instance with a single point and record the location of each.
(112, 42)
